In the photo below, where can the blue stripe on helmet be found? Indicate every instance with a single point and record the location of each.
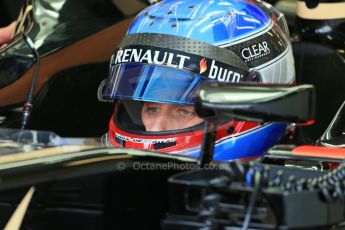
(251, 144)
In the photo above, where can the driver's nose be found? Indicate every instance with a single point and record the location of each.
(161, 123)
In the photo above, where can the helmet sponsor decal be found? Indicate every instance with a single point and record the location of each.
(255, 51)
(223, 74)
(143, 140)
(262, 48)
(202, 66)
(150, 56)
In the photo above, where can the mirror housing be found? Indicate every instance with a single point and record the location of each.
(263, 103)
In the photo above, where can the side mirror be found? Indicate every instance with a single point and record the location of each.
(264, 103)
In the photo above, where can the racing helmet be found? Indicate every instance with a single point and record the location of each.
(173, 47)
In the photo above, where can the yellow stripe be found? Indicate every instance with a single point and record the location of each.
(52, 151)
(17, 217)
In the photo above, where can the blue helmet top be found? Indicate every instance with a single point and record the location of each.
(213, 22)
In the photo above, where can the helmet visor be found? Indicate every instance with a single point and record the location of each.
(151, 83)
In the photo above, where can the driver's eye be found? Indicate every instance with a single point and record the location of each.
(152, 110)
(185, 113)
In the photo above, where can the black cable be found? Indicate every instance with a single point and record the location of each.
(257, 183)
(27, 108)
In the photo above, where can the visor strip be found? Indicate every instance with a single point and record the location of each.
(185, 45)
